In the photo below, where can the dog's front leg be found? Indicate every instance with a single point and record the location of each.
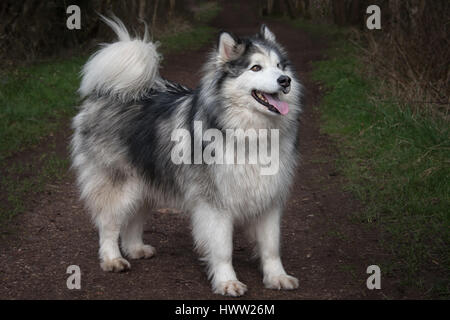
(267, 232)
(213, 235)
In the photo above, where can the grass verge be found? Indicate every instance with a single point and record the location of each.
(36, 102)
(198, 35)
(396, 161)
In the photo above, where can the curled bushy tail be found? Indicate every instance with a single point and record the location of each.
(125, 69)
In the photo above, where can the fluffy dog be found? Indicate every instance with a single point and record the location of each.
(123, 150)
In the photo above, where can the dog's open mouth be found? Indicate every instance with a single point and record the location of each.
(271, 102)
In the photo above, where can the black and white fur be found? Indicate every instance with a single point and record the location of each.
(121, 151)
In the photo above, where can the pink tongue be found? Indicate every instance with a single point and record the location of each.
(281, 106)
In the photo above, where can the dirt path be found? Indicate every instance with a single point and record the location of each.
(321, 246)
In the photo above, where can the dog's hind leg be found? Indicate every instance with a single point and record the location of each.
(131, 236)
(112, 203)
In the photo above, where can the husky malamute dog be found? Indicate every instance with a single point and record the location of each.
(123, 144)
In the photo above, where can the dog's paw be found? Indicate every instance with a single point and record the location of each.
(141, 252)
(115, 265)
(233, 288)
(282, 281)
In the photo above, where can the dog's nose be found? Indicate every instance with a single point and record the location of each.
(284, 81)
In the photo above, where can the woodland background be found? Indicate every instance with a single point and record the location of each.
(414, 32)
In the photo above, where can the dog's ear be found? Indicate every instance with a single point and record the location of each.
(266, 33)
(229, 47)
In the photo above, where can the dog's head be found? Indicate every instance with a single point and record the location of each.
(256, 73)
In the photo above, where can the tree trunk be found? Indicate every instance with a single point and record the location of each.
(269, 7)
(155, 13)
(171, 8)
(292, 12)
(306, 12)
(338, 7)
(355, 15)
(142, 11)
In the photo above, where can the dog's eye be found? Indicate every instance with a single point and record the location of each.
(256, 68)
(281, 66)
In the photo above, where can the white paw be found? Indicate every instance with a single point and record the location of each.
(141, 252)
(115, 265)
(282, 281)
(233, 288)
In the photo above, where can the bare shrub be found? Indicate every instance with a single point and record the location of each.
(412, 54)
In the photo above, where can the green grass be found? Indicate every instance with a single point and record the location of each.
(207, 11)
(192, 39)
(200, 35)
(37, 101)
(33, 100)
(397, 163)
(24, 182)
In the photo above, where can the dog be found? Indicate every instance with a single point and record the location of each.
(123, 150)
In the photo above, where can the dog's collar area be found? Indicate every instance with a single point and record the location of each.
(259, 96)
